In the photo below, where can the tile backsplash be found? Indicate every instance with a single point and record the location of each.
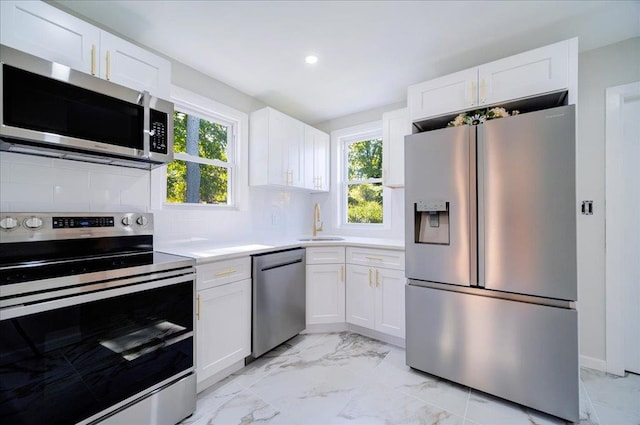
(40, 184)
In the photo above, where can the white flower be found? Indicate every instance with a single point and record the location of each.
(476, 119)
(499, 112)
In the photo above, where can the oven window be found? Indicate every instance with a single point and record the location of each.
(65, 365)
(38, 103)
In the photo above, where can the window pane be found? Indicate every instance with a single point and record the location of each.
(364, 203)
(199, 137)
(190, 182)
(365, 160)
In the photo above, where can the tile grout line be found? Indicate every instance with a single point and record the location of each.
(466, 407)
(593, 407)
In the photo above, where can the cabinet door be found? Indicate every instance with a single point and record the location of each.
(360, 296)
(295, 151)
(223, 328)
(395, 125)
(47, 32)
(448, 94)
(390, 302)
(325, 293)
(316, 159)
(530, 73)
(131, 66)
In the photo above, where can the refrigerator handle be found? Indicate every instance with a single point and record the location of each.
(480, 205)
(473, 210)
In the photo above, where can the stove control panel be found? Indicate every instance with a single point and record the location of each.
(16, 227)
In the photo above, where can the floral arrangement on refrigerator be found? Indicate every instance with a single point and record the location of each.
(481, 115)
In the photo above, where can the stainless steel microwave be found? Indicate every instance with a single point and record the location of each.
(49, 109)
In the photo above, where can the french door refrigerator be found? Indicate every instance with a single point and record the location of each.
(491, 258)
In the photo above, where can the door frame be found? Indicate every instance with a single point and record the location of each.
(614, 290)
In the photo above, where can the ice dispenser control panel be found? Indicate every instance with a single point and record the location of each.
(432, 222)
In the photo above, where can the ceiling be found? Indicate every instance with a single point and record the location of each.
(369, 51)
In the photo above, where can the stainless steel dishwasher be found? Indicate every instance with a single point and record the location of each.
(278, 299)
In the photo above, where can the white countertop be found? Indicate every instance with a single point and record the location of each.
(204, 251)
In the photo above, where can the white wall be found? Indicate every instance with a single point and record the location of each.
(598, 69)
(39, 184)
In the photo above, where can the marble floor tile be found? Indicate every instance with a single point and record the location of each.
(345, 378)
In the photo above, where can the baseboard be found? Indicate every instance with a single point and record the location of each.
(593, 363)
(321, 328)
(389, 339)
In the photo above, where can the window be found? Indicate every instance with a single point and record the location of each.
(363, 200)
(203, 166)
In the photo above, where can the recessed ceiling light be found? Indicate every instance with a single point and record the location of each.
(311, 59)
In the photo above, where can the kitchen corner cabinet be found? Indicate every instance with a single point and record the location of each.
(223, 315)
(317, 152)
(375, 290)
(395, 125)
(42, 30)
(535, 72)
(276, 152)
(286, 152)
(325, 276)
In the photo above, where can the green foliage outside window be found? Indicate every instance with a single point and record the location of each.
(364, 189)
(192, 182)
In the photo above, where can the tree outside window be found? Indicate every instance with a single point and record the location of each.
(363, 185)
(202, 169)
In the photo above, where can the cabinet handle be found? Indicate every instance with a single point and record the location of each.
(93, 59)
(473, 93)
(374, 258)
(225, 272)
(342, 274)
(198, 306)
(483, 91)
(377, 278)
(108, 65)
(370, 285)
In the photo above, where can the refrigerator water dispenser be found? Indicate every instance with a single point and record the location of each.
(432, 222)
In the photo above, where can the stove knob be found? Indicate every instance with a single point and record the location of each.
(32, 222)
(126, 220)
(142, 220)
(8, 223)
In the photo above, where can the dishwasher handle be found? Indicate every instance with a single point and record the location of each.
(275, 266)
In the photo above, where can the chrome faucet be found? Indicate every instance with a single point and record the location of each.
(317, 224)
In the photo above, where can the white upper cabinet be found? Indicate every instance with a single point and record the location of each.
(42, 30)
(453, 92)
(276, 152)
(395, 125)
(317, 154)
(131, 66)
(47, 32)
(537, 71)
(544, 70)
(286, 152)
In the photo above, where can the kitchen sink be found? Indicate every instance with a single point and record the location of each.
(322, 239)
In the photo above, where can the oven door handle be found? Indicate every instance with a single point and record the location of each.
(24, 310)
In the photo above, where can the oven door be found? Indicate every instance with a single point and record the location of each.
(66, 360)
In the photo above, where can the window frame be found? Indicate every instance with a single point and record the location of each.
(346, 138)
(230, 164)
(205, 108)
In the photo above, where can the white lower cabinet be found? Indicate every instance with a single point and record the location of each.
(223, 316)
(325, 293)
(375, 299)
(325, 277)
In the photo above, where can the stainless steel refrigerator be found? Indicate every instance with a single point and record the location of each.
(491, 258)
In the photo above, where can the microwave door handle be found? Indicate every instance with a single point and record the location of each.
(146, 128)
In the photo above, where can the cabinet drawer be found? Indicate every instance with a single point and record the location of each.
(325, 255)
(221, 272)
(382, 258)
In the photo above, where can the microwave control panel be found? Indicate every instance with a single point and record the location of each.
(158, 132)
